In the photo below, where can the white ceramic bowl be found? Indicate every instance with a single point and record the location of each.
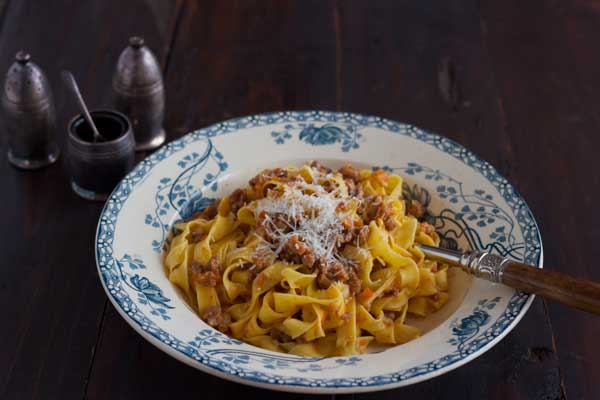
(471, 204)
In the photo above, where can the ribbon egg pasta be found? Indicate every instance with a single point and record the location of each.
(310, 261)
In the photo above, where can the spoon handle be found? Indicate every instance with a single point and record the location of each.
(72, 84)
(578, 293)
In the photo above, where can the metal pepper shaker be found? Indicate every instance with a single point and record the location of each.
(29, 115)
(139, 93)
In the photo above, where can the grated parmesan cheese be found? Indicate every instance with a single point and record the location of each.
(313, 217)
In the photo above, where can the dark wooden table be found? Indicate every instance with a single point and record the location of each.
(515, 81)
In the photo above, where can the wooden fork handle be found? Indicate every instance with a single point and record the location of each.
(578, 293)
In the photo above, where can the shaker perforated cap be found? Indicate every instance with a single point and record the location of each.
(25, 84)
(137, 70)
(136, 42)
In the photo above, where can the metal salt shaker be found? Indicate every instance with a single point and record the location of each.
(29, 115)
(139, 93)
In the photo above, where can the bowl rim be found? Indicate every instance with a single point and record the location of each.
(327, 385)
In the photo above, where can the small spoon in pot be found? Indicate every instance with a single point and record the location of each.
(72, 84)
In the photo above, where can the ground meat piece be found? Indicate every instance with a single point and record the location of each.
(373, 207)
(416, 209)
(345, 237)
(273, 222)
(295, 180)
(211, 211)
(262, 259)
(278, 334)
(338, 272)
(237, 200)
(348, 234)
(390, 223)
(197, 235)
(319, 167)
(207, 275)
(266, 175)
(283, 223)
(354, 282)
(390, 315)
(354, 189)
(342, 206)
(427, 228)
(258, 182)
(260, 279)
(328, 186)
(261, 231)
(350, 186)
(363, 234)
(309, 259)
(349, 172)
(386, 213)
(261, 226)
(208, 213)
(280, 173)
(253, 272)
(391, 292)
(324, 280)
(377, 265)
(352, 222)
(370, 207)
(296, 251)
(262, 216)
(216, 318)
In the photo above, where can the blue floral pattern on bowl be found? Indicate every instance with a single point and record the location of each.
(348, 135)
(180, 195)
(148, 293)
(479, 213)
(469, 327)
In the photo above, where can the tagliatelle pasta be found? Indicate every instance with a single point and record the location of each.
(310, 262)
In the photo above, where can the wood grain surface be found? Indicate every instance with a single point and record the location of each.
(514, 81)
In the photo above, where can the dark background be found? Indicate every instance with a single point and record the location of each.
(515, 81)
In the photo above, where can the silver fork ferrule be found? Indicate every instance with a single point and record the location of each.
(478, 263)
(484, 265)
